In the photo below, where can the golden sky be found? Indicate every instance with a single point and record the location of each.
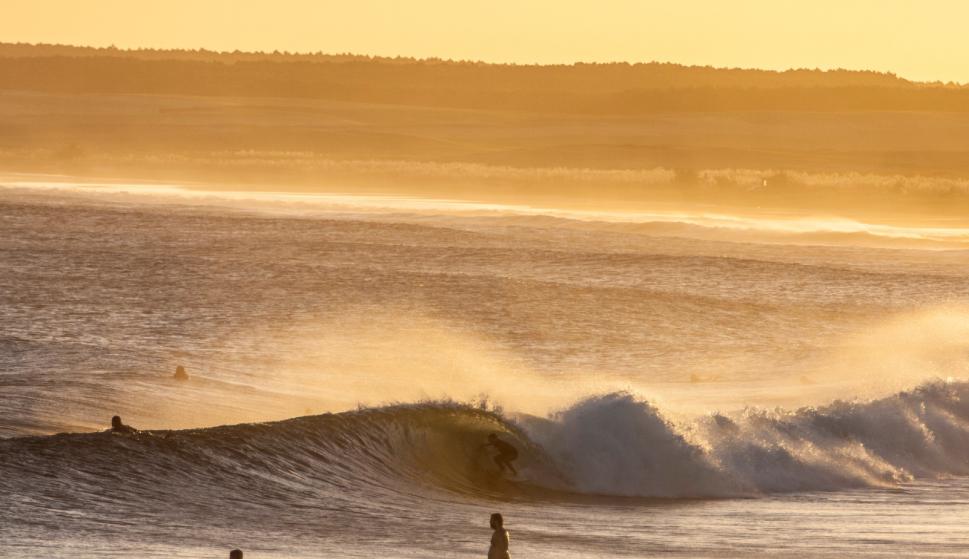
(917, 39)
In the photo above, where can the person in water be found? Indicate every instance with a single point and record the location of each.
(181, 373)
(499, 539)
(235, 554)
(506, 453)
(118, 427)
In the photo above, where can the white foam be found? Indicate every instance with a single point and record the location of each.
(618, 444)
(343, 202)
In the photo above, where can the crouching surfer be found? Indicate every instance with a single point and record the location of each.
(506, 453)
(118, 427)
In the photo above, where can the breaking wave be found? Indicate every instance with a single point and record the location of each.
(608, 445)
(617, 444)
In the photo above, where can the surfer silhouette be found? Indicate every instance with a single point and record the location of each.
(499, 539)
(506, 453)
(118, 427)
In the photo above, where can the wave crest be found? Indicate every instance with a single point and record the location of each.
(614, 444)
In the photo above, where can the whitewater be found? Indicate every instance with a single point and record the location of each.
(678, 384)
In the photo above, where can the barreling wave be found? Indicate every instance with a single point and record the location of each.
(608, 445)
(381, 457)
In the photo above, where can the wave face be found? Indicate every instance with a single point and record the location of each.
(609, 445)
(394, 451)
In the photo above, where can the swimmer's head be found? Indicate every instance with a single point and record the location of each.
(116, 421)
(235, 554)
(497, 521)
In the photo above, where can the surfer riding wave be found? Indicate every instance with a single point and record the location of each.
(506, 453)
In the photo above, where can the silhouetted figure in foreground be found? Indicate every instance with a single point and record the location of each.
(235, 554)
(506, 453)
(118, 427)
(181, 373)
(499, 539)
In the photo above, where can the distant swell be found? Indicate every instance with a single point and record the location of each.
(610, 445)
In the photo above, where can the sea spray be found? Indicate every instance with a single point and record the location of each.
(617, 444)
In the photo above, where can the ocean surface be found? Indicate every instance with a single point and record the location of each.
(679, 384)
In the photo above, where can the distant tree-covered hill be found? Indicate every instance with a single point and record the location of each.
(616, 88)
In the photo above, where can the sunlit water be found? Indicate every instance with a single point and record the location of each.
(715, 345)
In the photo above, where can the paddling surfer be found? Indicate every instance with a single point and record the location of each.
(118, 427)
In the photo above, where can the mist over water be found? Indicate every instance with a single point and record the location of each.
(632, 358)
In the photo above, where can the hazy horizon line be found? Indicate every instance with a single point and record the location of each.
(477, 62)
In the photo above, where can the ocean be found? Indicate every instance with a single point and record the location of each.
(678, 384)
